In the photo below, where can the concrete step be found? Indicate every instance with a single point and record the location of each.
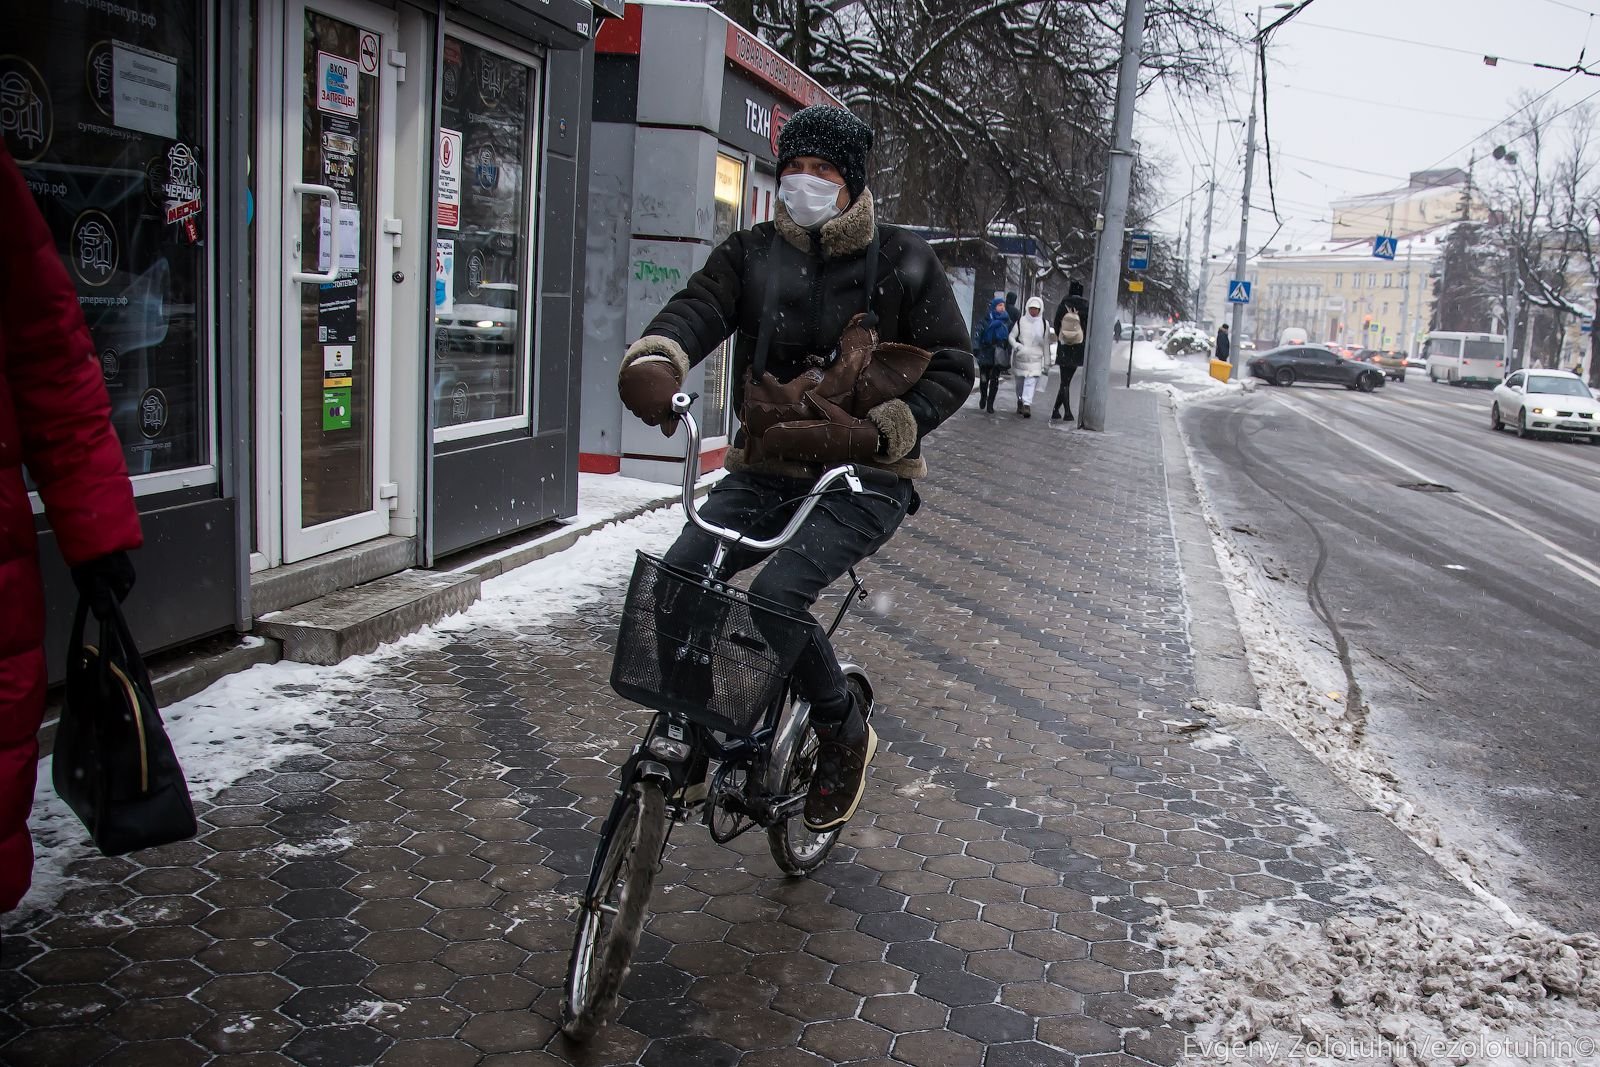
(299, 583)
(351, 622)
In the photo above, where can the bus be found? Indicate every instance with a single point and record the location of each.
(1465, 358)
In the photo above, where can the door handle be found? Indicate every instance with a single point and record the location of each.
(301, 189)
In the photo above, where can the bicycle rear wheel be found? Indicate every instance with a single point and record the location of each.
(609, 922)
(795, 849)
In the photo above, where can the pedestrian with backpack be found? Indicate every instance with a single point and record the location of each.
(1072, 329)
(1032, 341)
(993, 352)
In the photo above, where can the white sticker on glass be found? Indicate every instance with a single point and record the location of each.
(349, 237)
(144, 91)
(338, 85)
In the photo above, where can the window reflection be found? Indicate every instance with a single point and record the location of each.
(120, 177)
(482, 332)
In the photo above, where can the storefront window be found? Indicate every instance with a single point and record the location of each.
(483, 320)
(101, 107)
(728, 195)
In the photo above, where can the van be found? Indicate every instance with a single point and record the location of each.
(1465, 358)
(1292, 335)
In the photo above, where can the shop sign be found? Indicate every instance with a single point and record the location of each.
(338, 85)
(752, 115)
(449, 205)
(772, 70)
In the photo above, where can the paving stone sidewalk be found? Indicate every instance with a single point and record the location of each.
(401, 896)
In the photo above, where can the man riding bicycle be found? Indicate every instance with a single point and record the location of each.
(850, 349)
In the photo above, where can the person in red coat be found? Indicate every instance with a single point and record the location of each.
(55, 419)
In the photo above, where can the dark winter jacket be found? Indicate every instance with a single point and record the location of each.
(1224, 346)
(56, 419)
(821, 286)
(992, 337)
(1072, 355)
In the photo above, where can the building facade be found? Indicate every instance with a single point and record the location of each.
(330, 253)
(1339, 291)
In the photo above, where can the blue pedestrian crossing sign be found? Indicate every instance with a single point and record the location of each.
(1238, 291)
(1383, 247)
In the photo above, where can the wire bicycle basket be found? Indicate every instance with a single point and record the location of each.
(704, 649)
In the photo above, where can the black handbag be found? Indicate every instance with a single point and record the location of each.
(113, 763)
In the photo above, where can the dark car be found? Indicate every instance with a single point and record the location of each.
(1314, 363)
(1393, 364)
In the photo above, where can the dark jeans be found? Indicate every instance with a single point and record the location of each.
(844, 529)
(988, 384)
(1064, 391)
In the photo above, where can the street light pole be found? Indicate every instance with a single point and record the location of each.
(1249, 173)
(1205, 245)
(1108, 256)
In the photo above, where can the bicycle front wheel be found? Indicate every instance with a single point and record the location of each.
(610, 920)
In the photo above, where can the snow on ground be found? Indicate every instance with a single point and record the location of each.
(257, 718)
(1402, 977)
(1400, 985)
(602, 495)
(1184, 378)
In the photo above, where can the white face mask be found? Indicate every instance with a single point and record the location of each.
(811, 201)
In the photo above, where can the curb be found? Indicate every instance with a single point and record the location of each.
(1222, 677)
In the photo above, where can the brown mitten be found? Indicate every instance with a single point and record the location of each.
(855, 349)
(769, 401)
(646, 387)
(834, 437)
(893, 369)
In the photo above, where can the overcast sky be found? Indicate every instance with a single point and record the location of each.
(1341, 102)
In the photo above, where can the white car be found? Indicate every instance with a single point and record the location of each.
(1546, 401)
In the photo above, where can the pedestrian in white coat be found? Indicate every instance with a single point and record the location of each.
(1032, 341)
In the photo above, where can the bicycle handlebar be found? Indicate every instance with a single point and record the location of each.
(849, 473)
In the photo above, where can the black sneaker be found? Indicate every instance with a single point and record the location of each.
(845, 750)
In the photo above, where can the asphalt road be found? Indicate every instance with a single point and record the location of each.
(1472, 616)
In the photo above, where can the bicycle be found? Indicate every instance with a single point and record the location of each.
(714, 665)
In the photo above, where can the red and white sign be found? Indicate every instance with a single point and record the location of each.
(337, 88)
(748, 53)
(369, 52)
(449, 202)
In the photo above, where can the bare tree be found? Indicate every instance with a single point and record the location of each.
(1546, 218)
(992, 113)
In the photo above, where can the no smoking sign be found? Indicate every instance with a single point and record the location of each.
(369, 53)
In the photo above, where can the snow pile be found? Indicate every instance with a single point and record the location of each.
(1185, 338)
(1188, 394)
(1403, 985)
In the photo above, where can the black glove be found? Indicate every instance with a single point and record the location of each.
(104, 582)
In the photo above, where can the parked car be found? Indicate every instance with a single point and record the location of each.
(1393, 364)
(1546, 401)
(1313, 363)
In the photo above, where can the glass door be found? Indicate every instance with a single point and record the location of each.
(338, 190)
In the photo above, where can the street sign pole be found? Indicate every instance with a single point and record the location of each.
(1133, 330)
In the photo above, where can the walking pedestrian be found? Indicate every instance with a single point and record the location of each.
(1031, 341)
(1072, 329)
(55, 417)
(992, 350)
(1116, 328)
(1224, 348)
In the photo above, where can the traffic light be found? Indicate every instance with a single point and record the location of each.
(1366, 322)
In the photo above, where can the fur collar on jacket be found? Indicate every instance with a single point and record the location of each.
(847, 235)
